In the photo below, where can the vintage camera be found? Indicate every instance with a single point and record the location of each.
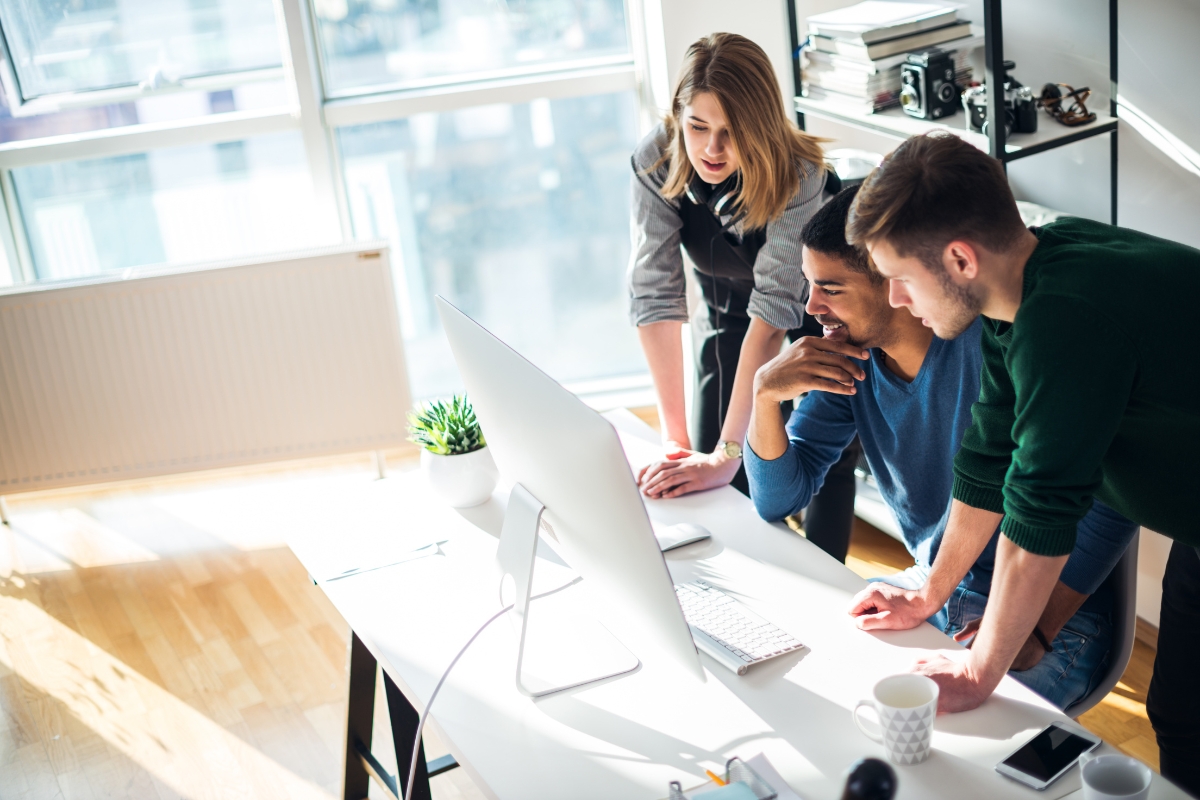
(927, 87)
(1020, 106)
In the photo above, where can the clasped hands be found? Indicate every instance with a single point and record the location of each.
(882, 606)
(683, 471)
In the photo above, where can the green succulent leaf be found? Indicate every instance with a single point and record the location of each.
(446, 427)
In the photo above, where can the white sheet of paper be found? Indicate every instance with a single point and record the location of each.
(370, 530)
(766, 770)
(380, 558)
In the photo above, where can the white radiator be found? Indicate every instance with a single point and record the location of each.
(172, 371)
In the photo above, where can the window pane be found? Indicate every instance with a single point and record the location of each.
(177, 205)
(369, 44)
(74, 46)
(518, 214)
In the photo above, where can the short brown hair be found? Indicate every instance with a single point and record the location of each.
(930, 191)
(768, 144)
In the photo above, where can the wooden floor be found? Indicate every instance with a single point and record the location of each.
(159, 641)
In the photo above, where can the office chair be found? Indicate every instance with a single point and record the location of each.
(1124, 626)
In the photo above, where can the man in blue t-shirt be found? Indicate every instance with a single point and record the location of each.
(880, 374)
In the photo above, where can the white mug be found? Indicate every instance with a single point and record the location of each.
(906, 705)
(1114, 777)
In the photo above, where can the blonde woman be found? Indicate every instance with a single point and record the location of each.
(729, 179)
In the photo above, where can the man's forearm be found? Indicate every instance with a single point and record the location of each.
(1064, 602)
(968, 531)
(768, 433)
(1021, 588)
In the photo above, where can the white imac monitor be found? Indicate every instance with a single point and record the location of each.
(570, 460)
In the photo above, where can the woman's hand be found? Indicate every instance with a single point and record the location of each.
(675, 450)
(684, 471)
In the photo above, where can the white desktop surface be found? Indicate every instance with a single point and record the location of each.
(630, 736)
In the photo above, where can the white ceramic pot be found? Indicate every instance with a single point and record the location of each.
(462, 480)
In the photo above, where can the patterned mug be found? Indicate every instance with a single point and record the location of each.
(906, 706)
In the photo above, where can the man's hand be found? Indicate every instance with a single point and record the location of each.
(959, 689)
(882, 606)
(682, 472)
(810, 364)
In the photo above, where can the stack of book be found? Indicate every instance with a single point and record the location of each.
(854, 54)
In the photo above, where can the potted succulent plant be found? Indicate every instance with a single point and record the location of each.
(454, 454)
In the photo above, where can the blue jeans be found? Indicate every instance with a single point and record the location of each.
(1064, 676)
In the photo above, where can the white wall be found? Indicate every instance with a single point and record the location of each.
(1160, 66)
(685, 21)
(1153, 549)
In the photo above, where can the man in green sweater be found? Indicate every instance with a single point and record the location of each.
(1090, 389)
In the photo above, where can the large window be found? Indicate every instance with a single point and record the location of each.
(487, 140)
(517, 214)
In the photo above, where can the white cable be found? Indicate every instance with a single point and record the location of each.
(412, 766)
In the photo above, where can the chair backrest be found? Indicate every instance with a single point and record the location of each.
(1124, 627)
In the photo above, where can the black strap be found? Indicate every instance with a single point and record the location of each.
(1041, 637)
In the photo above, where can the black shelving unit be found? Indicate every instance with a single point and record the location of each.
(896, 123)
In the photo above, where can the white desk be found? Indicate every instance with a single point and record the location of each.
(628, 737)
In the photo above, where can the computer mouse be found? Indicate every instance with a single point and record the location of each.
(693, 531)
(682, 533)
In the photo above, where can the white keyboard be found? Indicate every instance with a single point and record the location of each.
(728, 631)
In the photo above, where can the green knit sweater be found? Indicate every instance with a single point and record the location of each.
(1092, 391)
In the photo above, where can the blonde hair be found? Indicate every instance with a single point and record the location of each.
(739, 75)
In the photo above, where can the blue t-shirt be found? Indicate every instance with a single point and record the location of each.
(909, 434)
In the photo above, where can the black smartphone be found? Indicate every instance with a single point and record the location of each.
(1044, 758)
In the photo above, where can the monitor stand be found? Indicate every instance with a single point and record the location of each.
(557, 648)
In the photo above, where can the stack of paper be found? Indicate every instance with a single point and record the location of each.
(854, 54)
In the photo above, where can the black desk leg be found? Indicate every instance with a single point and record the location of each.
(404, 734)
(360, 766)
(359, 718)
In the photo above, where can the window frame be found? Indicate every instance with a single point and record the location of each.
(308, 109)
(88, 98)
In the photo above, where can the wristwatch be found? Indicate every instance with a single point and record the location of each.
(730, 449)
